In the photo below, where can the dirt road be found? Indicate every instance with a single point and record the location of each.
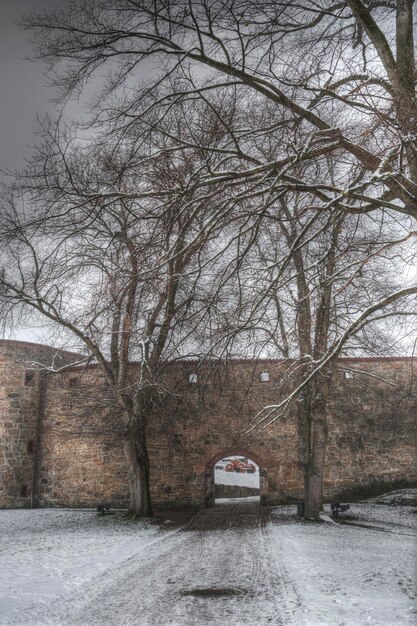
(219, 570)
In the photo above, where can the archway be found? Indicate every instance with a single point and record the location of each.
(235, 475)
(236, 478)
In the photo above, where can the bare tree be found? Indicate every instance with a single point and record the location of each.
(312, 101)
(119, 276)
(309, 289)
(340, 77)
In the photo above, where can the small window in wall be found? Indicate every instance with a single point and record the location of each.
(24, 491)
(348, 374)
(29, 378)
(264, 377)
(192, 378)
(30, 447)
(73, 382)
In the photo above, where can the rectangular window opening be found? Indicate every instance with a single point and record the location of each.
(192, 378)
(29, 378)
(30, 447)
(264, 377)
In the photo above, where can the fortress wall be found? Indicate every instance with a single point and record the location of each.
(372, 430)
(206, 421)
(82, 464)
(18, 419)
(21, 402)
(372, 425)
(197, 422)
(372, 438)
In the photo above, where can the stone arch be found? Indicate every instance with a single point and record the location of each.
(261, 461)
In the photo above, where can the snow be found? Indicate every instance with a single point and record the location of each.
(361, 571)
(220, 501)
(73, 567)
(243, 479)
(46, 554)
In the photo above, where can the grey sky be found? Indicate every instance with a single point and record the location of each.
(24, 94)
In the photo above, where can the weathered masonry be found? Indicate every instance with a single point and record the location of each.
(49, 457)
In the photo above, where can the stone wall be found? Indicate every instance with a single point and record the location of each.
(81, 463)
(22, 391)
(233, 491)
(372, 436)
(372, 440)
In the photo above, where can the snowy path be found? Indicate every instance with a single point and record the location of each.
(47, 555)
(189, 578)
(231, 566)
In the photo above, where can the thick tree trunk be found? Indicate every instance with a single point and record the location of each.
(313, 478)
(139, 476)
(312, 433)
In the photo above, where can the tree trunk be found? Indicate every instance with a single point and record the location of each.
(139, 479)
(313, 432)
(313, 478)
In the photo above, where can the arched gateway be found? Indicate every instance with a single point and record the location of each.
(209, 481)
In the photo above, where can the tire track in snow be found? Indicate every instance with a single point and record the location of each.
(231, 565)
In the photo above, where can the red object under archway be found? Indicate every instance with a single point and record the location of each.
(259, 459)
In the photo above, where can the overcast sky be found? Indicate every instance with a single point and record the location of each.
(24, 94)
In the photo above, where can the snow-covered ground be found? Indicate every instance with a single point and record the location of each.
(359, 572)
(73, 567)
(243, 479)
(49, 554)
(220, 501)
